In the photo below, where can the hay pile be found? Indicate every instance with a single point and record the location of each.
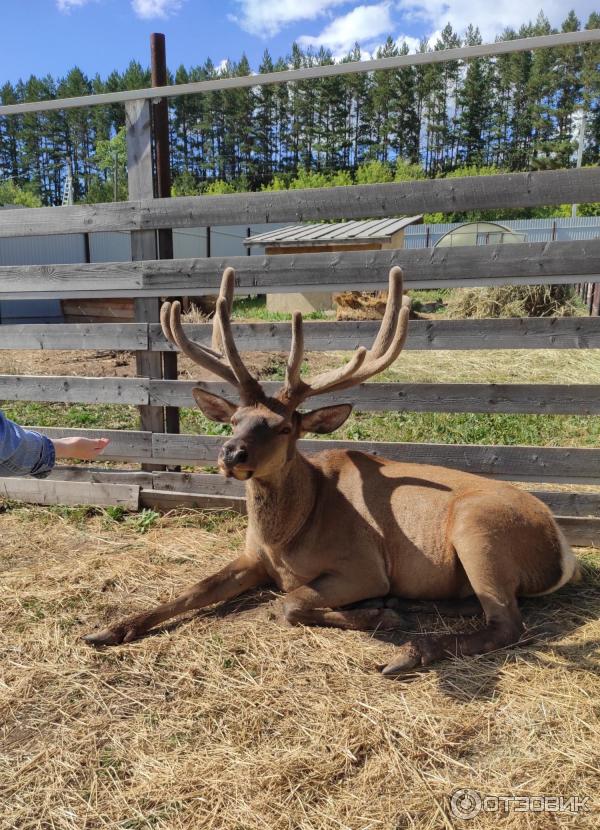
(360, 305)
(513, 301)
(233, 722)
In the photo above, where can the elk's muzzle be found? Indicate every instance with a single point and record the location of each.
(233, 457)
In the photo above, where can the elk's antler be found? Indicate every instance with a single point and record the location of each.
(364, 364)
(232, 369)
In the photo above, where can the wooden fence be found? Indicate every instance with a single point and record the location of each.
(148, 278)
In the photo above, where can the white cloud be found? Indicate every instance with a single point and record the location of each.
(491, 18)
(268, 17)
(363, 24)
(67, 5)
(148, 9)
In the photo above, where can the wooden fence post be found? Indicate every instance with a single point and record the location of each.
(160, 131)
(143, 246)
(595, 309)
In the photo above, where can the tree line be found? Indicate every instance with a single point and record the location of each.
(511, 112)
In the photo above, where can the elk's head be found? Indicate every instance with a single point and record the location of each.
(265, 429)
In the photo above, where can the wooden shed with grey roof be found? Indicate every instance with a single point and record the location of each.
(369, 235)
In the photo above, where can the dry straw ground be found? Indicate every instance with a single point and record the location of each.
(232, 721)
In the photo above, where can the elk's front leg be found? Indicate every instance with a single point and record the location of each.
(240, 575)
(321, 603)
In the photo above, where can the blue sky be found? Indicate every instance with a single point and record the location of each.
(51, 36)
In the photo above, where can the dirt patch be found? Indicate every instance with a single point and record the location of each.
(114, 364)
(232, 721)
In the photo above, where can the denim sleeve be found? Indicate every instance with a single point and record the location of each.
(24, 452)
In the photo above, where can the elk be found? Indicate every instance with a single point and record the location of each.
(351, 538)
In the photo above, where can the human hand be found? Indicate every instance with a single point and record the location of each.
(84, 449)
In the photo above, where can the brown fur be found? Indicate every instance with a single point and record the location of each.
(343, 531)
(344, 527)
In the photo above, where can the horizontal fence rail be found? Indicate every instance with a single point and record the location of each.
(557, 399)
(70, 336)
(62, 489)
(509, 190)
(319, 336)
(105, 494)
(561, 503)
(564, 465)
(423, 335)
(464, 53)
(526, 263)
(421, 397)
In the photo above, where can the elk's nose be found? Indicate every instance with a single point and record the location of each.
(234, 453)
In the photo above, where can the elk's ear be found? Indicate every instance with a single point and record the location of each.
(326, 419)
(214, 407)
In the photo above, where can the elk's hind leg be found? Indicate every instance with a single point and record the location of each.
(495, 588)
(324, 602)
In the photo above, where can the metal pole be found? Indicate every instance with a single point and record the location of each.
(162, 189)
(116, 177)
(580, 147)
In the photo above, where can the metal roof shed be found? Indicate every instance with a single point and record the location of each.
(370, 235)
(373, 233)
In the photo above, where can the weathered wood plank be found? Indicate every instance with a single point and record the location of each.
(125, 445)
(512, 190)
(171, 500)
(514, 463)
(140, 179)
(565, 465)
(583, 533)
(572, 503)
(528, 263)
(517, 333)
(100, 475)
(50, 491)
(200, 483)
(319, 336)
(67, 389)
(580, 532)
(578, 399)
(88, 336)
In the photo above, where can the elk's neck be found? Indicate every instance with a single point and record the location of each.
(279, 506)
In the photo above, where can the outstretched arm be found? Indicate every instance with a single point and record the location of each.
(26, 452)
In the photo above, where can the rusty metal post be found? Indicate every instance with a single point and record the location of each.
(162, 190)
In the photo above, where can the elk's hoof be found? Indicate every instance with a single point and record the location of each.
(408, 657)
(110, 636)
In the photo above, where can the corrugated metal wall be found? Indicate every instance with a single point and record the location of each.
(107, 247)
(535, 230)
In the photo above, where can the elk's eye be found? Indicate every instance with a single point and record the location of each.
(285, 430)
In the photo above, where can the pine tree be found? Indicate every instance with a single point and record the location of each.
(473, 107)
(590, 78)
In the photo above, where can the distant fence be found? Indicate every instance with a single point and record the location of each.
(148, 278)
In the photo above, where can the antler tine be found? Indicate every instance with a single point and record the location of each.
(342, 377)
(294, 364)
(390, 317)
(250, 389)
(170, 319)
(226, 292)
(374, 365)
(165, 312)
(364, 364)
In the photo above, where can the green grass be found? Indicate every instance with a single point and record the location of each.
(526, 366)
(255, 308)
(86, 416)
